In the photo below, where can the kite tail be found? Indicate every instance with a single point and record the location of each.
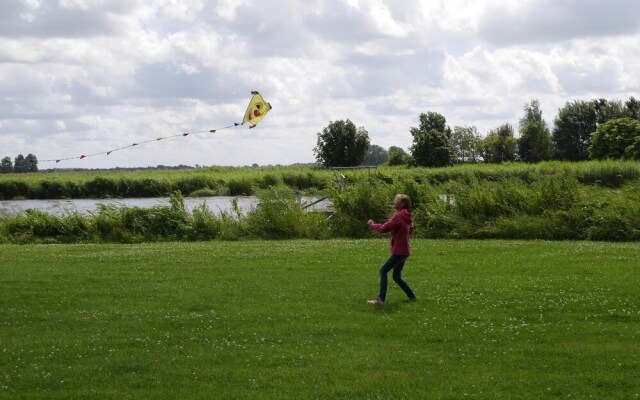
(256, 111)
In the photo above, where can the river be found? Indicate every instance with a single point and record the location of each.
(217, 204)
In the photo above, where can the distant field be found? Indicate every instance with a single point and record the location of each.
(288, 320)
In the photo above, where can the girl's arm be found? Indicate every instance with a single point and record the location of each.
(388, 226)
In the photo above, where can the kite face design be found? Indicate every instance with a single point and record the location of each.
(257, 110)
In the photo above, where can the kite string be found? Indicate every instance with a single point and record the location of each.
(108, 152)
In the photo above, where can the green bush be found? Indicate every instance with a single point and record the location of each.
(101, 188)
(148, 187)
(14, 189)
(52, 190)
(316, 226)
(193, 184)
(268, 180)
(483, 201)
(37, 226)
(358, 204)
(616, 220)
(278, 215)
(240, 187)
(435, 218)
(204, 224)
(554, 193)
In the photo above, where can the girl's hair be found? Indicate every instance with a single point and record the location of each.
(405, 201)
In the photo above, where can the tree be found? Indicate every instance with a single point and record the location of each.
(19, 164)
(572, 130)
(376, 155)
(632, 152)
(398, 156)
(632, 108)
(31, 163)
(615, 139)
(499, 145)
(340, 144)
(534, 144)
(432, 141)
(606, 110)
(6, 165)
(465, 141)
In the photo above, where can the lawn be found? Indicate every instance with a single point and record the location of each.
(288, 320)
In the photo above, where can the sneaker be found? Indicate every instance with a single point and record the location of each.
(375, 302)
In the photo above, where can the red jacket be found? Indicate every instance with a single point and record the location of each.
(400, 226)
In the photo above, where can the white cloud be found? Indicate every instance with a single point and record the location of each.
(136, 70)
(545, 21)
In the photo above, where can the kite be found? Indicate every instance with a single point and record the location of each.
(256, 111)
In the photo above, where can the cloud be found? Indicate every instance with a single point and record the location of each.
(385, 74)
(549, 21)
(138, 69)
(58, 19)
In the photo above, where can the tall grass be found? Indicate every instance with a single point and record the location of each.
(246, 180)
(102, 184)
(557, 201)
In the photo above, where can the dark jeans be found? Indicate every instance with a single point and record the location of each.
(395, 263)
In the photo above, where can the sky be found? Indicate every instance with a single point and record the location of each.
(87, 76)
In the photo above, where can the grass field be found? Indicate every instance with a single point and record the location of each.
(288, 320)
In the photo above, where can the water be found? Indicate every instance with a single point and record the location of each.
(217, 204)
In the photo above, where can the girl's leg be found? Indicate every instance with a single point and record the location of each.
(397, 277)
(388, 266)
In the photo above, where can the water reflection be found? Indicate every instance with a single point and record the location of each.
(217, 204)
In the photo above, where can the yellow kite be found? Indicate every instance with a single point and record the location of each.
(257, 110)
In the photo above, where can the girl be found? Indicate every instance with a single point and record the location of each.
(400, 226)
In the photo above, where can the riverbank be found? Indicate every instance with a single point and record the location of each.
(244, 181)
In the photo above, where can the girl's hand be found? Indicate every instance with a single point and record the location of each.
(370, 222)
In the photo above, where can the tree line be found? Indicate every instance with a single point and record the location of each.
(20, 164)
(583, 130)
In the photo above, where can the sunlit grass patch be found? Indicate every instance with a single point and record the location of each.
(288, 319)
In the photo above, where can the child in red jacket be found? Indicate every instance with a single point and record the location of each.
(401, 227)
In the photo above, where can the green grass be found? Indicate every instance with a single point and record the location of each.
(288, 320)
(308, 178)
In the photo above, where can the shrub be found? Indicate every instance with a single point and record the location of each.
(193, 184)
(101, 188)
(316, 226)
(37, 226)
(233, 225)
(434, 218)
(278, 215)
(360, 203)
(14, 189)
(240, 187)
(481, 202)
(554, 193)
(52, 190)
(268, 180)
(204, 224)
(148, 187)
(616, 220)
